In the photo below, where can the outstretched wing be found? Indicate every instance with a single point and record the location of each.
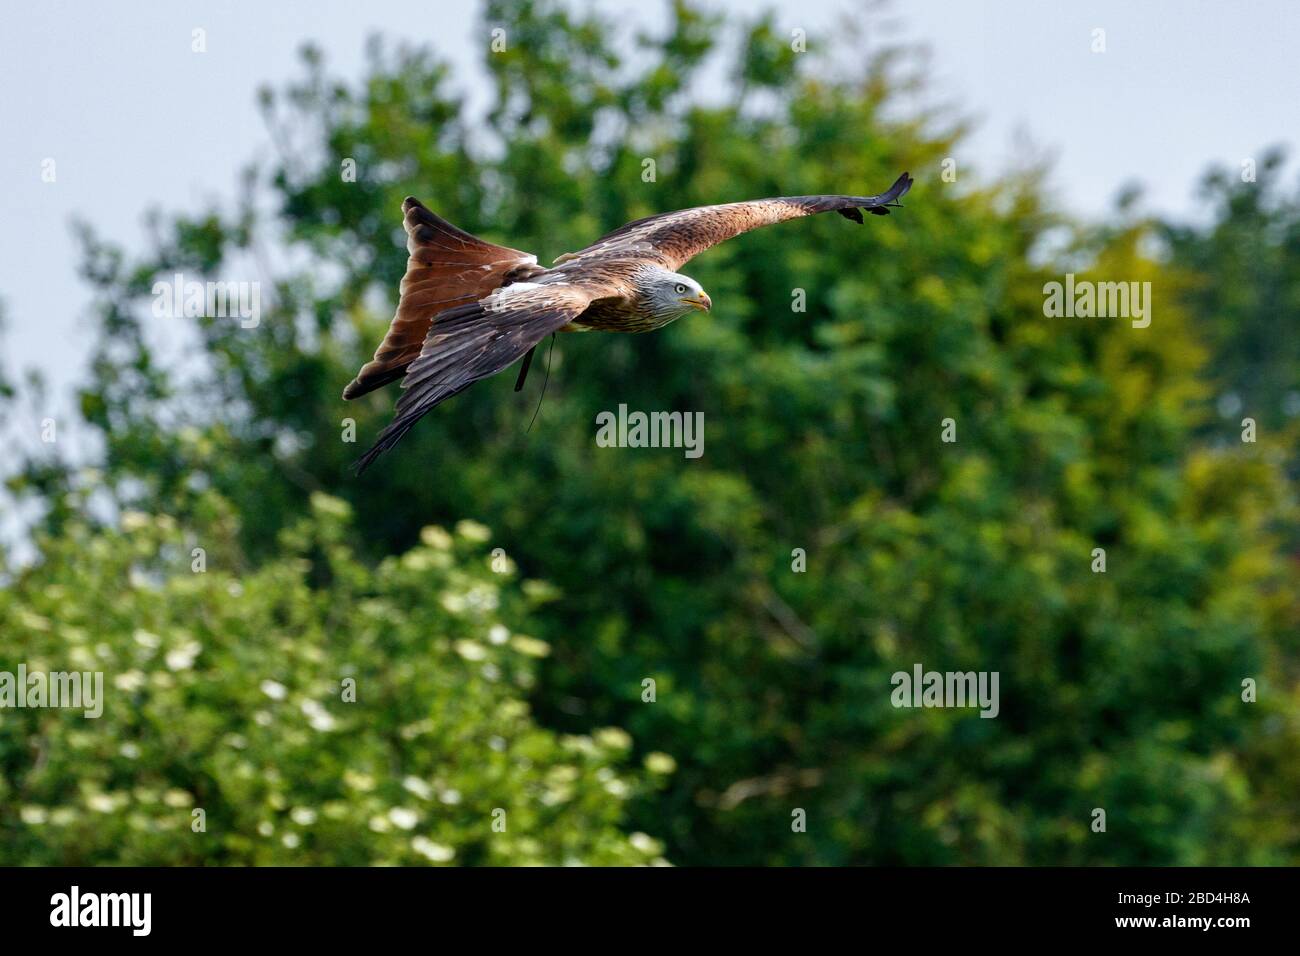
(447, 267)
(674, 238)
(473, 341)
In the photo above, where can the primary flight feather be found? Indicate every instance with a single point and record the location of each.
(468, 309)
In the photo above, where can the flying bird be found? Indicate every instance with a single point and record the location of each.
(468, 309)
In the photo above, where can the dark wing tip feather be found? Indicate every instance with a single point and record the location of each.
(365, 461)
(851, 207)
(880, 205)
(389, 437)
(399, 426)
(901, 185)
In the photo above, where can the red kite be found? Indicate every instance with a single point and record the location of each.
(468, 308)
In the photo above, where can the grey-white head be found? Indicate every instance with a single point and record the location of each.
(670, 295)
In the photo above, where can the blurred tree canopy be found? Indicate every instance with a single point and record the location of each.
(1244, 288)
(1120, 690)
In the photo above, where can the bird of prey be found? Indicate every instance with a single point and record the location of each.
(468, 308)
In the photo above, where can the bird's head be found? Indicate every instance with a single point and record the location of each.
(672, 294)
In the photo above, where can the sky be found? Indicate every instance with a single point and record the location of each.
(134, 119)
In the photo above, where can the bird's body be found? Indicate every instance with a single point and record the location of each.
(633, 307)
(468, 309)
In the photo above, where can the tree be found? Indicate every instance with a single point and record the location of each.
(1244, 286)
(313, 710)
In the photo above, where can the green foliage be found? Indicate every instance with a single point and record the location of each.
(1119, 690)
(1243, 286)
(225, 692)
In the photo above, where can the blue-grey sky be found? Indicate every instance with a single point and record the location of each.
(132, 118)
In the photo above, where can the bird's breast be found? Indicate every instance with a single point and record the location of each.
(620, 315)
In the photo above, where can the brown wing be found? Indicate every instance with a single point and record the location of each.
(471, 342)
(447, 267)
(674, 238)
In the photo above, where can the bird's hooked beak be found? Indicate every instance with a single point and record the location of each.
(703, 303)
